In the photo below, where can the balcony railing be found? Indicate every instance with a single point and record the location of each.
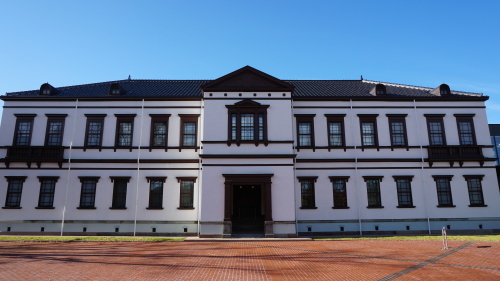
(36, 154)
(455, 153)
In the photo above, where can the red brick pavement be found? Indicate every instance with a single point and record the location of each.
(250, 260)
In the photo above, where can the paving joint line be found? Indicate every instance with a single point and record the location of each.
(424, 263)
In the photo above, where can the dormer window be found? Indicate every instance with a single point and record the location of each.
(46, 89)
(115, 89)
(380, 90)
(444, 89)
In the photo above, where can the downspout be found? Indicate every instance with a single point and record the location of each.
(69, 167)
(138, 167)
(294, 168)
(422, 168)
(356, 170)
(200, 179)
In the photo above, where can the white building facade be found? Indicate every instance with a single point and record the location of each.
(246, 154)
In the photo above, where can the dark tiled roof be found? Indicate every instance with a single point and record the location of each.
(132, 88)
(192, 89)
(352, 88)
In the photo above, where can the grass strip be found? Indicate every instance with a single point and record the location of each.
(482, 238)
(90, 238)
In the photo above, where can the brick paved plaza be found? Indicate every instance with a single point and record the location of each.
(250, 260)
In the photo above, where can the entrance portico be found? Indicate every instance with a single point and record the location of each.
(260, 203)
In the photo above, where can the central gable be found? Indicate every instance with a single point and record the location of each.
(247, 79)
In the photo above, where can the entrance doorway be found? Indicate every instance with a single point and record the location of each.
(248, 208)
(247, 214)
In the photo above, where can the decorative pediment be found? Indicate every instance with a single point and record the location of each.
(247, 79)
(247, 103)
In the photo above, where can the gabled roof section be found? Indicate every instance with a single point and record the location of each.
(247, 79)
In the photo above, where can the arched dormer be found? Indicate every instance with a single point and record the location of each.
(47, 90)
(442, 90)
(379, 90)
(115, 90)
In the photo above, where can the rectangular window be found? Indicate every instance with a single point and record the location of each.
(186, 192)
(435, 128)
(247, 121)
(368, 126)
(465, 125)
(305, 130)
(373, 191)
(339, 192)
(124, 129)
(159, 130)
(14, 191)
(397, 129)
(307, 192)
(475, 188)
(94, 130)
(24, 129)
(156, 192)
(47, 190)
(88, 191)
(443, 189)
(403, 188)
(119, 192)
(189, 129)
(55, 129)
(336, 131)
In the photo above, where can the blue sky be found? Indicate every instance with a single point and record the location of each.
(423, 43)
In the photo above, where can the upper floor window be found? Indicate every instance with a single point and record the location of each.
(373, 191)
(159, 130)
(55, 129)
(119, 192)
(189, 130)
(14, 191)
(305, 130)
(368, 126)
(186, 192)
(435, 128)
(339, 192)
(94, 130)
(397, 129)
(88, 191)
(24, 129)
(475, 189)
(247, 122)
(403, 188)
(124, 129)
(307, 195)
(465, 125)
(47, 190)
(336, 130)
(443, 189)
(156, 192)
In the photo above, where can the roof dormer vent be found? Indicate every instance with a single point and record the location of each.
(47, 90)
(379, 90)
(115, 90)
(442, 90)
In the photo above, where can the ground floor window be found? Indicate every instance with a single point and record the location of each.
(156, 192)
(14, 191)
(186, 192)
(339, 192)
(307, 192)
(475, 189)
(403, 188)
(443, 189)
(373, 191)
(47, 190)
(88, 191)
